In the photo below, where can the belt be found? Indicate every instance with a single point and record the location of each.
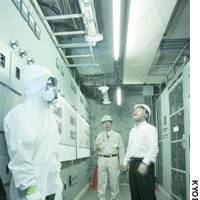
(111, 155)
(136, 159)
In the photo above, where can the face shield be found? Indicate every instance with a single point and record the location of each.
(51, 91)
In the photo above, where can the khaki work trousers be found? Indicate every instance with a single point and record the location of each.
(108, 168)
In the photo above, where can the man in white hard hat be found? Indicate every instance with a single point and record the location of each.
(141, 155)
(33, 140)
(109, 146)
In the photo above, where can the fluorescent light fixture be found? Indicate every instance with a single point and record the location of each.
(119, 96)
(104, 89)
(116, 27)
(90, 21)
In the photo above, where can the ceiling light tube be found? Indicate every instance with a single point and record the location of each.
(119, 96)
(116, 27)
(90, 21)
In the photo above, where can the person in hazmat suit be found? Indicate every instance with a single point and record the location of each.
(33, 140)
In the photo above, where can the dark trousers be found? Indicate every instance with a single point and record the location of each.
(142, 187)
(2, 191)
(50, 197)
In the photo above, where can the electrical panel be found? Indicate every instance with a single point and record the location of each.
(83, 138)
(176, 98)
(159, 120)
(66, 123)
(8, 99)
(160, 164)
(67, 153)
(17, 64)
(74, 178)
(81, 105)
(179, 185)
(4, 63)
(165, 140)
(68, 136)
(178, 142)
(178, 156)
(177, 126)
(73, 94)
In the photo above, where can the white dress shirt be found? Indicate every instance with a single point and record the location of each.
(143, 143)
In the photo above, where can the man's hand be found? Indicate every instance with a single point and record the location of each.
(124, 168)
(142, 169)
(98, 146)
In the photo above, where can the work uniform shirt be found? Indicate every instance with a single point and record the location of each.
(110, 143)
(143, 143)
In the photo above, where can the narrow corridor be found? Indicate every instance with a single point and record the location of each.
(123, 195)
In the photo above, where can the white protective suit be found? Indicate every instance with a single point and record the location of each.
(33, 140)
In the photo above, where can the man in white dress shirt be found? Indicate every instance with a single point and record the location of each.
(109, 146)
(141, 155)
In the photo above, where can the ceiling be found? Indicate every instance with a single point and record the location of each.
(155, 36)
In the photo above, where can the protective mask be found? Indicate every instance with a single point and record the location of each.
(51, 93)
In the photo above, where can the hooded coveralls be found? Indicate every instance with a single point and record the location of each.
(33, 140)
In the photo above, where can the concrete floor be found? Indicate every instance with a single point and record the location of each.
(123, 195)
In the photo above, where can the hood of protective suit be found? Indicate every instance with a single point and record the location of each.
(34, 79)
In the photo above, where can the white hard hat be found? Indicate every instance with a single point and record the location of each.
(106, 118)
(146, 107)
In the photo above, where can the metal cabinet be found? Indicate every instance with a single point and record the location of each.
(176, 98)
(177, 125)
(65, 117)
(83, 138)
(178, 185)
(4, 63)
(8, 99)
(178, 141)
(71, 92)
(166, 151)
(17, 64)
(68, 136)
(81, 105)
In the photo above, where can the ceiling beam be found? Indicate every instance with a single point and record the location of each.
(79, 56)
(59, 17)
(73, 45)
(83, 65)
(69, 33)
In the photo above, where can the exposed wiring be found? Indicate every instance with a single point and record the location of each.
(59, 7)
(53, 8)
(75, 25)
